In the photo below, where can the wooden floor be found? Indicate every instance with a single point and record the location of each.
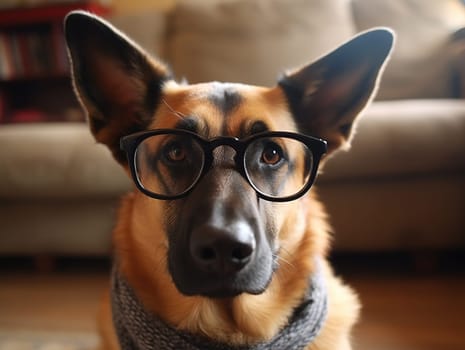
(402, 311)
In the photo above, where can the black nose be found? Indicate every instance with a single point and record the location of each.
(222, 250)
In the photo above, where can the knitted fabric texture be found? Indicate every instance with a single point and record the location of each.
(138, 329)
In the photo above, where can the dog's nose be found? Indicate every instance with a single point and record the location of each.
(222, 250)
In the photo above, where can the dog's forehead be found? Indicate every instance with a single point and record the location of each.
(222, 108)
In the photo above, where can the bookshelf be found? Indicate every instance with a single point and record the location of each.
(34, 69)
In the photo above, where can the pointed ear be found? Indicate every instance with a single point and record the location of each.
(116, 82)
(326, 96)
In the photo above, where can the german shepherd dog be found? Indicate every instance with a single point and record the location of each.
(221, 239)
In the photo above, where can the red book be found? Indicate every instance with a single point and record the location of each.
(3, 107)
(45, 13)
(59, 49)
(27, 116)
(16, 55)
(25, 55)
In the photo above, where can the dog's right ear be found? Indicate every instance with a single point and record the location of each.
(327, 95)
(117, 83)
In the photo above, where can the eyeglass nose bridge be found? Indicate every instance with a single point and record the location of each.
(232, 142)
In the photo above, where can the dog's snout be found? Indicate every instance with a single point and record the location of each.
(222, 250)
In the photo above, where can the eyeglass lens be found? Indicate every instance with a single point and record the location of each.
(278, 167)
(169, 164)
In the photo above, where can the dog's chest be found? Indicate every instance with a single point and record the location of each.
(137, 329)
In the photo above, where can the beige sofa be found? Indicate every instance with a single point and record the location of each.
(401, 187)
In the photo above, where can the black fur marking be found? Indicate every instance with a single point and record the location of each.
(225, 97)
(97, 124)
(345, 130)
(294, 95)
(114, 146)
(195, 125)
(154, 93)
(188, 124)
(258, 127)
(153, 161)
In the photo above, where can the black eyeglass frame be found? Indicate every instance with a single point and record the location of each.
(316, 146)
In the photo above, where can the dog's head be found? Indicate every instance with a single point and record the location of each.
(219, 168)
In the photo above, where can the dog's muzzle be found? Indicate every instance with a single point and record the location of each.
(221, 246)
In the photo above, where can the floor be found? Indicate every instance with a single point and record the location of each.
(404, 309)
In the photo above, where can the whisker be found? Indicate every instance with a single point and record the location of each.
(285, 251)
(171, 109)
(286, 263)
(284, 260)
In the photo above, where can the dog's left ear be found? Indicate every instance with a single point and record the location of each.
(116, 81)
(326, 96)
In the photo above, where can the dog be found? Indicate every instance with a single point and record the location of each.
(222, 244)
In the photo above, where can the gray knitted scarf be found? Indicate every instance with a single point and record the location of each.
(137, 329)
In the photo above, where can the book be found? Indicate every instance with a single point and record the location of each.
(6, 59)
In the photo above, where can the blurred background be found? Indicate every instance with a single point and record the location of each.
(396, 200)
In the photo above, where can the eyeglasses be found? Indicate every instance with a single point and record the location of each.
(168, 163)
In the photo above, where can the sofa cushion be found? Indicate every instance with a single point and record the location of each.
(57, 226)
(56, 160)
(404, 138)
(253, 41)
(420, 66)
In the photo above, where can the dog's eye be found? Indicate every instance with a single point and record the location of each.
(175, 152)
(272, 154)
